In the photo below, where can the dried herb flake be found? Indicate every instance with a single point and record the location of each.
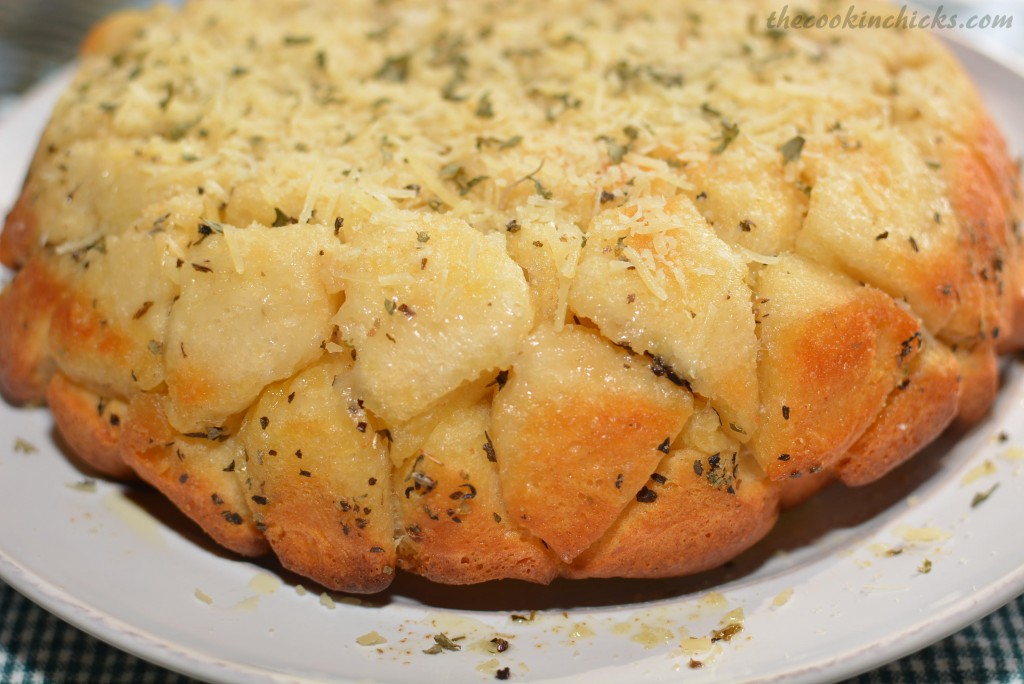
(646, 495)
(791, 149)
(982, 497)
(730, 132)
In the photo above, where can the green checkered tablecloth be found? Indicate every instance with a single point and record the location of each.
(37, 647)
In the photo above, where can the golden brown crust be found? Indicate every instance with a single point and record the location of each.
(833, 351)
(916, 413)
(85, 345)
(90, 424)
(317, 484)
(795, 491)
(196, 473)
(585, 447)
(455, 527)
(688, 526)
(20, 233)
(26, 308)
(111, 34)
(987, 199)
(979, 382)
(571, 454)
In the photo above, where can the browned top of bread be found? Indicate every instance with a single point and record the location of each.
(519, 290)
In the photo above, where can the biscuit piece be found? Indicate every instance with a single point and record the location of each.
(693, 514)
(916, 412)
(90, 424)
(196, 471)
(833, 351)
(254, 308)
(26, 309)
(318, 480)
(655, 277)
(571, 455)
(455, 524)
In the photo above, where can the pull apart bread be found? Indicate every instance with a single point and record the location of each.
(507, 290)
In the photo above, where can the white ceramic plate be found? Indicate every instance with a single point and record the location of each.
(839, 587)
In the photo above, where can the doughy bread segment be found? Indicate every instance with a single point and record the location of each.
(90, 424)
(832, 352)
(879, 213)
(26, 309)
(656, 278)
(253, 308)
(197, 471)
(456, 527)
(430, 303)
(702, 523)
(520, 290)
(317, 480)
(916, 412)
(571, 455)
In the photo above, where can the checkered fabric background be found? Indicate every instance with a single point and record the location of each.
(37, 648)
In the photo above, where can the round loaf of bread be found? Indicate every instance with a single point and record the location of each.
(508, 289)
